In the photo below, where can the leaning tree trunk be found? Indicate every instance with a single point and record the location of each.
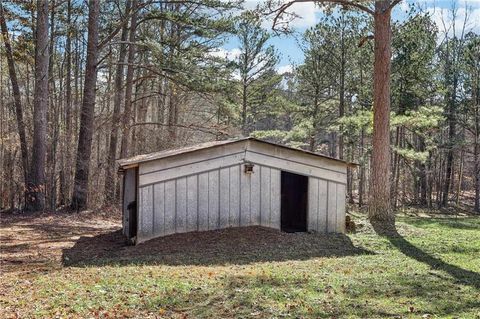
(84, 150)
(35, 200)
(379, 200)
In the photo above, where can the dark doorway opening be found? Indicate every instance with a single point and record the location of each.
(294, 202)
(130, 185)
(132, 219)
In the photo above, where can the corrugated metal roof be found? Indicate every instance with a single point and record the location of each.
(131, 161)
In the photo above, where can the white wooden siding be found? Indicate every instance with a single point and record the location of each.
(208, 190)
(265, 198)
(275, 192)
(146, 218)
(189, 169)
(201, 155)
(181, 205)
(234, 204)
(224, 193)
(236, 154)
(159, 209)
(341, 199)
(326, 206)
(296, 156)
(202, 202)
(216, 199)
(295, 167)
(244, 199)
(170, 212)
(192, 203)
(213, 200)
(331, 207)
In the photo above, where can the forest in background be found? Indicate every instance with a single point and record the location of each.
(130, 77)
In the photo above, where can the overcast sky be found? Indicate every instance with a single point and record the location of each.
(309, 15)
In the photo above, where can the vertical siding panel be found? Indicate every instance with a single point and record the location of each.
(275, 191)
(332, 207)
(224, 197)
(159, 209)
(255, 193)
(265, 196)
(245, 181)
(170, 207)
(181, 206)
(203, 201)
(322, 205)
(234, 219)
(312, 204)
(146, 212)
(192, 204)
(340, 208)
(213, 199)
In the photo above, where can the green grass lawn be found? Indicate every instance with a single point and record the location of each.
(431, 271)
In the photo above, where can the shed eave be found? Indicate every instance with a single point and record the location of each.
(136, 160)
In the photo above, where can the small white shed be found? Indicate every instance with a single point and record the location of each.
(232, 183)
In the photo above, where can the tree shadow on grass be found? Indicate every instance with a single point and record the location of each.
(456, 223)
(463, 276)
(353, 291)
(242, 245)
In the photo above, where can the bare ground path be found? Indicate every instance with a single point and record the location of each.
(35, 242)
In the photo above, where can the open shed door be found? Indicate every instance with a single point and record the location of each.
(294, 202)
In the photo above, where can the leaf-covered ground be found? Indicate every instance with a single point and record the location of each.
(71, 266)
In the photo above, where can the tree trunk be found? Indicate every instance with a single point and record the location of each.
(449, 165)
(313, 135)
(460, 178)
(361, 182)
(477, 172)
(476, 148)
(117, 102)
(172, 113)
(451, 119)
(67, 171)
(142, 110)
(16, 95)
(53, 115)
(423, 174)
(36, 188)
(129, 83)
(244, 107)
(80, 190)
(341, 108)
(395, 171)
(379, 200)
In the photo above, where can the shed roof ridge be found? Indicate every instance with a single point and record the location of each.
(135, 160)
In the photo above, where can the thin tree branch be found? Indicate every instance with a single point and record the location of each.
(393, 4)
(282, 9)
(208, 130)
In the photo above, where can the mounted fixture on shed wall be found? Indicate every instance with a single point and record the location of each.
(248, 168)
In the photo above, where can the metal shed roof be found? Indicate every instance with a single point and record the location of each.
(135, 160)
